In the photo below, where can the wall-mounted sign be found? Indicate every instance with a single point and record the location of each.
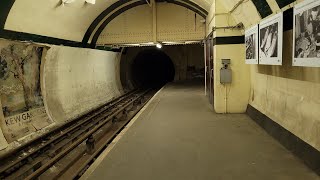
(251, 40)
(306, 34)
(270, 40)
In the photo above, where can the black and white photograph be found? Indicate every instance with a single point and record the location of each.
(251, 40)
(306, 49)
(270, 40)
(250, 47)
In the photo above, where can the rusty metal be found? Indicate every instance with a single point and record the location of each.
(74, 174)
(114, 119)
(90, 143)
(55, 136)
(84, 137)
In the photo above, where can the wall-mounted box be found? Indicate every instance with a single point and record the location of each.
(225, 76)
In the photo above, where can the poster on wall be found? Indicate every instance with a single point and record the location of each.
(251, 40)
(3, 142)
(23, 110)
(306, 34)
(270, 40)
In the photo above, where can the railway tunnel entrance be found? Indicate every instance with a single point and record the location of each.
(152, 68)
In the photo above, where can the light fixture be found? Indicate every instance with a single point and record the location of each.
(158, 45)
(63, 2)
(91, 1)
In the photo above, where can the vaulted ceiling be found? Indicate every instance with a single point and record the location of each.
(78, 23)
(75, 21)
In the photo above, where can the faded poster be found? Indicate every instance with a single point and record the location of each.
(22, 103)
(3, 141)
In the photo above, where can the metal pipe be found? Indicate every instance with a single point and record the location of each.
(154, 21)
(238, 26)
(150, 4)
(236, 6)
(227, 13)
(205, 67)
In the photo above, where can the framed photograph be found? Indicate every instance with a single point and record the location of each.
(251, 40)
(306, 34)
(270, 40)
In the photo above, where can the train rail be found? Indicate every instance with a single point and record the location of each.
(67, 151)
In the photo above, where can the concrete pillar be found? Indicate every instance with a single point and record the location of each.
(234, 97)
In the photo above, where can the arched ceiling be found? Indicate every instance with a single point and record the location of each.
(72, 21)
(79, 23)
(99, 24)
(174, 24)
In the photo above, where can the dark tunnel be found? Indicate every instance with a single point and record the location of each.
(152, 68)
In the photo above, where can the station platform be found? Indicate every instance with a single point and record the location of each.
(178, 136)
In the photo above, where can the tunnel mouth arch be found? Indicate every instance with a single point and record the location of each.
(152, 68)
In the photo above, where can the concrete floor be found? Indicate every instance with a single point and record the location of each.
(178, 136)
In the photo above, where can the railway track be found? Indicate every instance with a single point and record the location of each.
(67, 151)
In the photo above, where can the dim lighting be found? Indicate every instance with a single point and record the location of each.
(158, 45)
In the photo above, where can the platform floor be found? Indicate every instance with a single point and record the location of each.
(178, 137)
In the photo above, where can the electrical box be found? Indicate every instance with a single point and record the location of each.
(225, 76)
(225, 72)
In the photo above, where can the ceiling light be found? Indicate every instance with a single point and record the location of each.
(91, 1)
(158, 45)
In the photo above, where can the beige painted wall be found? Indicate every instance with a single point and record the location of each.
(49, 18)
(79, 80)
(245, 13)
(174, 23)
(289, 95)
(234, 97)
(134, 25)
(210, 20)
(286, 94)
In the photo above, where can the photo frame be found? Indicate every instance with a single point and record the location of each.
(251, 42)
(271, 40)
(306, 34)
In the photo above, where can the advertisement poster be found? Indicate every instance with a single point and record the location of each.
(251, 40)
(306, 34)
(23, 110)
(270, 40)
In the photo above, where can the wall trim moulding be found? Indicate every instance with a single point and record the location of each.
(228, 40)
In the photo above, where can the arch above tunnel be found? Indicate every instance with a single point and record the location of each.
(99, 24)
(136, 26)
(52, 23)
